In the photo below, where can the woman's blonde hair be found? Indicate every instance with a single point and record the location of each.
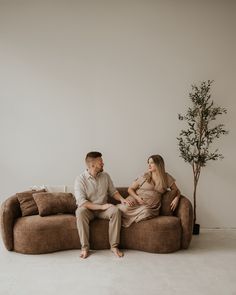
(160, 164)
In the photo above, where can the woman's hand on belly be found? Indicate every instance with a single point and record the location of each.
(140, 200)
(130, 201)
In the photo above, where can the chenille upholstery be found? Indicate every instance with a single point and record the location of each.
(37, 234)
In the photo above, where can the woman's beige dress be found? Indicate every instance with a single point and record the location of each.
(151, 195)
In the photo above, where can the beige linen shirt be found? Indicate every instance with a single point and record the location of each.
(93, 189)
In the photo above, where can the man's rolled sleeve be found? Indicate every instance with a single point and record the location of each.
(111, 189)
(80, 193)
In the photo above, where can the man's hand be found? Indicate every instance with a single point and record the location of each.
(106, 206)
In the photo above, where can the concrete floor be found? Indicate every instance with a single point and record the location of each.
(207, 267)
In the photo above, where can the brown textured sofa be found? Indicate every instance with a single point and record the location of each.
(36, 234)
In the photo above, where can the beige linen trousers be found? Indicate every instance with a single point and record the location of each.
(84, 216)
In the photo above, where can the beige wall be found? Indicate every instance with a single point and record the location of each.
(112, 76)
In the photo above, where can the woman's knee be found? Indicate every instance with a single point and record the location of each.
(122, 208)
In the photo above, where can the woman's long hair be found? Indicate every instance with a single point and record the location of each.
(160, 164)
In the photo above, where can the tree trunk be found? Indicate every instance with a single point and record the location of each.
(196, 174)
(194, 200)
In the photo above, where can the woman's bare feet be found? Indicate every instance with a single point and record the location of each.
(117, 252)
(84, 253)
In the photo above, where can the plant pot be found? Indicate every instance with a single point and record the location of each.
(196, 229)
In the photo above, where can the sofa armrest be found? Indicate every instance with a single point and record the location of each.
(185, 212)
(10, 210)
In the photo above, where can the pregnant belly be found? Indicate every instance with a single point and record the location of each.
(152, 200)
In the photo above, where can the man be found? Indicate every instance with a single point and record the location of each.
(91, 191)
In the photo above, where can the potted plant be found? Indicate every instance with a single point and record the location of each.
(195, 141)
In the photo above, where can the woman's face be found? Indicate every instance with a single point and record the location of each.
(151, 166)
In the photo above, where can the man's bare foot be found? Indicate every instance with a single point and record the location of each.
(117, 252)
(84, 253)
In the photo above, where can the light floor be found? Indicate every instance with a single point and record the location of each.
(207, 267)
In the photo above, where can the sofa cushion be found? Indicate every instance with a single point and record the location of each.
(167, 198)
(54, 203)
(27, 203)
(36, 234)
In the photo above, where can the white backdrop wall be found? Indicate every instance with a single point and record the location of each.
(112, 76)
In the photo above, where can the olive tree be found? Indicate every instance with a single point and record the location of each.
(195, 142)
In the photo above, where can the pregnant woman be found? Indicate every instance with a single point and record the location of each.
(146, 191)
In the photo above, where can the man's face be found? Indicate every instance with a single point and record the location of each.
(98, 164)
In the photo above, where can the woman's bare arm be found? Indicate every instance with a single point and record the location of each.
(132, 192)
(175, 201)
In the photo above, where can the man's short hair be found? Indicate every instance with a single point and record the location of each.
(92, 155)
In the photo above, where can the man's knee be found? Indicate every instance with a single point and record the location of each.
(115, 211)
(82, 213)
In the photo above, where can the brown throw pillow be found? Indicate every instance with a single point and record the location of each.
(167, 198)
(54, 203)
(27, 203)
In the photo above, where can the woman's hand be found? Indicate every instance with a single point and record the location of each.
(140, 200)
(174, 203)
(130, 202)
